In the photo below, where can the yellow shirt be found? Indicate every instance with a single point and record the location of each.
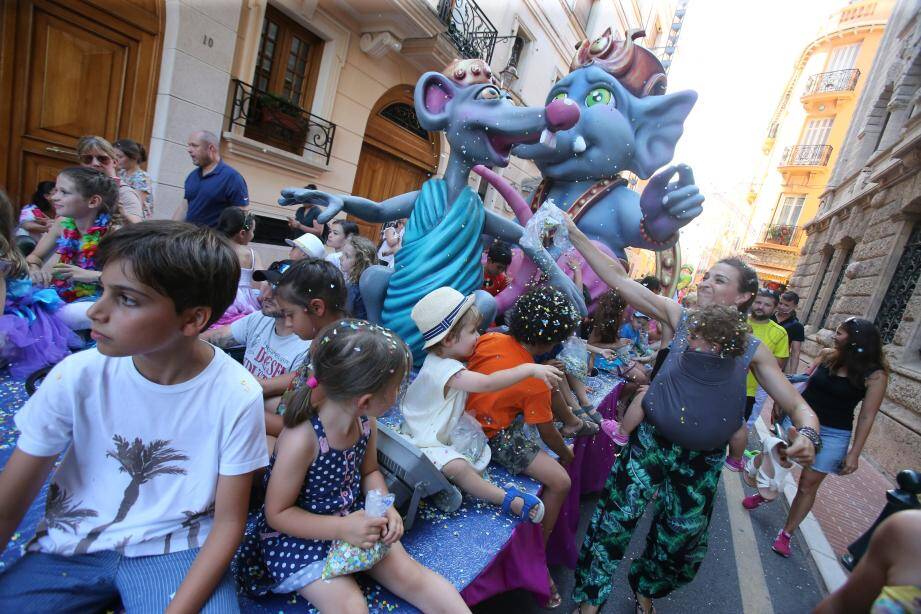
(774, 336)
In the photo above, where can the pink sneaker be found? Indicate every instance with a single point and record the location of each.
(753, 501)
(610, 428)
(735, 464)
(781, 545)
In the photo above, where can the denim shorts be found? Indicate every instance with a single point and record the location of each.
(835, 444)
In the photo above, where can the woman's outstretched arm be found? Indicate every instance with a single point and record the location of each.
(612, 273)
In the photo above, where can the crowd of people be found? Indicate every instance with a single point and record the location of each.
(295, 421)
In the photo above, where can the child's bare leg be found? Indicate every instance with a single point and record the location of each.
(420, 586)
(462, 473)
(634, 414)
(340, 594)
(578, 389)
(562, 410)
(556, 487)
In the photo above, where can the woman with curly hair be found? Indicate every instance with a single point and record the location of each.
(358, 253)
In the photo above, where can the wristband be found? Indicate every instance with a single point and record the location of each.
(812, 435)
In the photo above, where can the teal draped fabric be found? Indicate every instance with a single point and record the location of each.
(441, 247)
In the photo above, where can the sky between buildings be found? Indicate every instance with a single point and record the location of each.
(738, 56)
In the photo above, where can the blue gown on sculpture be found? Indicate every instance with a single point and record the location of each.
(441, 247)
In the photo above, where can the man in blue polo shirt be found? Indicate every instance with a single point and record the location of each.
(211, 187)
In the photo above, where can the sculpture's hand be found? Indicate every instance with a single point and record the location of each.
(669, 206)
(331, 203)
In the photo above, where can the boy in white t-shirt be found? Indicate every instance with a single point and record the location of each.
(161, 434)
(435, 401)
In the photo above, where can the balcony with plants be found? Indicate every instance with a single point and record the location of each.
(274, 120)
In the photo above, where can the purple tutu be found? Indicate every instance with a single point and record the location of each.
(31, 335)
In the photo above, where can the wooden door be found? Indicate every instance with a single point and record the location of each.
(381, 176)
(75, 70)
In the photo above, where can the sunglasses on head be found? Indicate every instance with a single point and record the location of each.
(279, 267)
(88, 158)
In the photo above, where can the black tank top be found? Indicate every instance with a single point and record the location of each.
(833, 398)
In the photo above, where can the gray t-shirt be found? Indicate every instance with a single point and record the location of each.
(697, 400)
(267, 355)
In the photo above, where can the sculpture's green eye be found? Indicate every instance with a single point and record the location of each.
(599, 95)
(560, 96)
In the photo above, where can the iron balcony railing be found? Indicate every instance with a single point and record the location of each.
(835, 81)
(273, 120)
(782, 234)
(806, 155)
(469, 29)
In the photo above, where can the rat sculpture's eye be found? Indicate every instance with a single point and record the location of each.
(489, 93)
(599, 95)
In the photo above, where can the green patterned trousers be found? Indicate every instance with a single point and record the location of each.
(686, 481)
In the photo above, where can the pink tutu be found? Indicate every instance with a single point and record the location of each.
(247, 302)
(31, 335)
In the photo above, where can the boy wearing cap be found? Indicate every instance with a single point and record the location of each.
(273, 351)
(435, 401)
(306, 246)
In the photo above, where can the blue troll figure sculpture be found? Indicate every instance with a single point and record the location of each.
(442, 243)
(626, 123)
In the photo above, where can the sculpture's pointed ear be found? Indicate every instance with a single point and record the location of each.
(433, 93)
(659, 126)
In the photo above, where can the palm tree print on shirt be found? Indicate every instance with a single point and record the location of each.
(142, 462)
(193, 522)
(61, 512)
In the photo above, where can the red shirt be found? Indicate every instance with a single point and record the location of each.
(494, 284)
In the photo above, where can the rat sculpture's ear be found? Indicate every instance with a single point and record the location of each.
(659, 126)
(434, 92)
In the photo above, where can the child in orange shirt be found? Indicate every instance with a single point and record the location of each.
(540, 320)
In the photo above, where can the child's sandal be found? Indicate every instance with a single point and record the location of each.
(587, 429)
(529, 502)
(588, 412)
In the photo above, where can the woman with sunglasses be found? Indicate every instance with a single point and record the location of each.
(130, 155)
(96, 152)
(840, 377)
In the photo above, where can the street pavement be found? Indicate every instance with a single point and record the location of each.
(741, 573)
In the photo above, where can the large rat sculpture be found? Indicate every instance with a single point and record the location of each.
(442, 240)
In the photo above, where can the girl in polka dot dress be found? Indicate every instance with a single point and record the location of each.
(324, 461)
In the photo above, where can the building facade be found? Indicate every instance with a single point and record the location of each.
(862, 256)
(300, 91)
(807, 131)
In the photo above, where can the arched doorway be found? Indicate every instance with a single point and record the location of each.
(75, 67)
(397, 154)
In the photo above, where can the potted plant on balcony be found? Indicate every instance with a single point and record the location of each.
(278, 122)
(779, 234)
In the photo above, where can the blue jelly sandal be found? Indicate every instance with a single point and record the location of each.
(530, 502)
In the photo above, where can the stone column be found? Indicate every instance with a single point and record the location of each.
(198, 51)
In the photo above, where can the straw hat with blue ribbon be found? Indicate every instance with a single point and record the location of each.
(437, 313)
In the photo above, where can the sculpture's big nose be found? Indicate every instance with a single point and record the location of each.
(562, 114)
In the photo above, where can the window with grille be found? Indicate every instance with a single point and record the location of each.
(834, 288)
(517, 48)
(901, 287)
(288, 60)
